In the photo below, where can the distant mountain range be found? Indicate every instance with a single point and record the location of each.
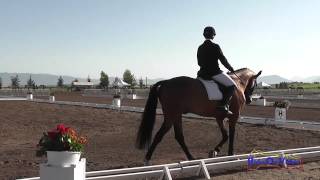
(275, 79)
(308, 79)
(272, 79)
(51, 80)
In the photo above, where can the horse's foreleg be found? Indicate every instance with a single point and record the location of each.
(162, 131)
(223, 140)
(232, 129)
(180, 138)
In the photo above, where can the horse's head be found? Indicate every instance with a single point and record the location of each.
(252, 83)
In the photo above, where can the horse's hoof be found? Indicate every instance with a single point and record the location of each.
(147, 163)
(210, 154)
(213, 154)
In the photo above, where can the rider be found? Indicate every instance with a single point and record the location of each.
(208, 55)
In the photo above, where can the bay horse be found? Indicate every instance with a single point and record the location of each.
(181, 95)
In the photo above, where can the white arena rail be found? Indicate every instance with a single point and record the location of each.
(201, 167)
(12, 99)
(293, 124)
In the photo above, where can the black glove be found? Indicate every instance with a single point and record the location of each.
(231, 69)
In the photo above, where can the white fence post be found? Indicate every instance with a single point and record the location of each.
(51, 98)
(29, 96)
(166, 174)
(203, 169)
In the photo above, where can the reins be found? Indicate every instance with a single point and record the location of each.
(239, 78)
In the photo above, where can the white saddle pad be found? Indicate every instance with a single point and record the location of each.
(212, 88)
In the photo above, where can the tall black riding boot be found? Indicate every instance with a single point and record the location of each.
(227, 94)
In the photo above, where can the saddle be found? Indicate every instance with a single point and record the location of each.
(213, 88)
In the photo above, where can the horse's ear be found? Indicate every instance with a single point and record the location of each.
(257, 75)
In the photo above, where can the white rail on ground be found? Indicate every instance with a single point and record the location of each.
(201, 167)
(8, 98)
(293, 124)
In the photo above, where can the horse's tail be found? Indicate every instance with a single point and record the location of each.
(148, 118)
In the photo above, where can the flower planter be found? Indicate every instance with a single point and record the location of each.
(52, 98)
(280, 114)
(116, 102)
(63, 158)
(29, 96)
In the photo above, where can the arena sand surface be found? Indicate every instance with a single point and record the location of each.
(111, 135)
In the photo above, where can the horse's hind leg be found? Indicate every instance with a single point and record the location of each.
(180, 138)
(166, 125)
(223, 140)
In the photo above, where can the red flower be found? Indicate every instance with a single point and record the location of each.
(53, 134)
(62, 129)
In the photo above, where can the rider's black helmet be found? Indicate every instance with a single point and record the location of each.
(209, 32)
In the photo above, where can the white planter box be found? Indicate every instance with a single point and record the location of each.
(74, 172)
(29, 96)
(63, 158)
(280, 114)
(52, 99)
(116, 102)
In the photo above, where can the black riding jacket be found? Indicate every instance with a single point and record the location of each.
(208, 55)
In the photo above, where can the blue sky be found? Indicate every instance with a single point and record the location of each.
(158, 39)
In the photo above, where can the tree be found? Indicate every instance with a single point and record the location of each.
(15, 82)
(60, 82)
(129, 78)
(0, 83)
(141, 83)
(283, 85)
(31, 83)
(104, 80)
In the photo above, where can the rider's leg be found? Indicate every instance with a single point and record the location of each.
(229, 88)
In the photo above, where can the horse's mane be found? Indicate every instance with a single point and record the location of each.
(240, 71)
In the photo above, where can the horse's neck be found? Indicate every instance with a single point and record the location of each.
(243, 81)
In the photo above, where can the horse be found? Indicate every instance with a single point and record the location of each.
(181, 95)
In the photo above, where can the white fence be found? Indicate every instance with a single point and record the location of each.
(23, 92)
(5, 98)
(202, 167)
(141, 93)
(295, 124)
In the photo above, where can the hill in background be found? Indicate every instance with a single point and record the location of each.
(272, 79)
